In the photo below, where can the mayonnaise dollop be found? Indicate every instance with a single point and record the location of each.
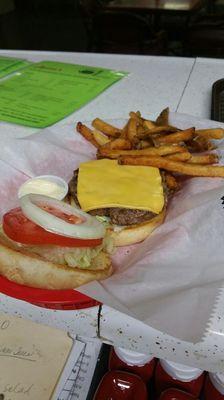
(48, 185)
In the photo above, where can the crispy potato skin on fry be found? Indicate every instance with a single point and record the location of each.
(163, 150)
(149, 124)
(174, 166)
(163, 118)
(156, 130)
(132, 130)
(216, 133)
(185, 156)
(124, 131)
(204, 159)
(199, 144)
(143, 144)
(176, 137)
(87, 133)
(137, 116)
(106, 128)
(100, 138)
(117, 144)
(171, 182)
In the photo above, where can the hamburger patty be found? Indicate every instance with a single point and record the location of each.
(118, 215)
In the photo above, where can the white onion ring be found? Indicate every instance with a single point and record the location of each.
(90, 228)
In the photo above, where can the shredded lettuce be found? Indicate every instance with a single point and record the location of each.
(73, 256)
(105, 220)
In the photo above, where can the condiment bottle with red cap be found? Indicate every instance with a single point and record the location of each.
(173, 375)
(176, 394)
(121, 385)
(214, 386)
(137, 363)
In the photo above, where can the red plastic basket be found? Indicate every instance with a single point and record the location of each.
(54, 299)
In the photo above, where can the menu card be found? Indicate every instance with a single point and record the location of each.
(8, 65)
(32, 357)
(46, 92)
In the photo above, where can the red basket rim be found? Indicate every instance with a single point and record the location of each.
(45, 297)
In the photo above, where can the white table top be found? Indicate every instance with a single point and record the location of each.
(196, 99)
(153, 84)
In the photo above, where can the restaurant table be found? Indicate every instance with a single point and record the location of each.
(153, 84)
(204, 74)
(173, 7)
(155, 9)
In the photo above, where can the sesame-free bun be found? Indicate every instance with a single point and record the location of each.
(137, 233)
(26, 268)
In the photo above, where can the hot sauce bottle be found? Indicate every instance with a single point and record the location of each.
(121, 385)
(137, 363)
(214, 386)
(176, 394)
(173, 375)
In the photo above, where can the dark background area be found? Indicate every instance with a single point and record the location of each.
(42, 25)
(61, 25)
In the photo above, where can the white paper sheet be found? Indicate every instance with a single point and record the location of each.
(32, 358)
(77, 375)
(69, 373)
(171, 280)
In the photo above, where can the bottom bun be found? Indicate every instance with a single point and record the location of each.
(137, 233)
(31, 270)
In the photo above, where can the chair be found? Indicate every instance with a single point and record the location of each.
(88, 10)
(127, 33)
(205, 37)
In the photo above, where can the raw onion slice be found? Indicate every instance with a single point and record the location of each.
(88, 227)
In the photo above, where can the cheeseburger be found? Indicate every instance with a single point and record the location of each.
(131, 200)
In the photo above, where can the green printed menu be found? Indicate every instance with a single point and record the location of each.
(46, 92)
(9, 65)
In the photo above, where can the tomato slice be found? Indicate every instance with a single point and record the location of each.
(20, 229)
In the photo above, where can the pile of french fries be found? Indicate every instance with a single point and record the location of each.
(157, 144)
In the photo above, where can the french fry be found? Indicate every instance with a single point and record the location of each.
(87, 133)
(163, 118)
(174, 166)
(124, 131)
(200, 144)
(150, 151)
(106, 128)
(216, 133)
(149, 124)
(156, 130)
(132, 130)
(136, 115)
(143, 144)
(204, 159)
(185, 156)
(176, 137)
(100, 138)
(171, 182)
(157, 143)
(140, 129)
(146, 123)
(117, 144)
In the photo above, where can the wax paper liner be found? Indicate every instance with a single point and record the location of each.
(172, 280)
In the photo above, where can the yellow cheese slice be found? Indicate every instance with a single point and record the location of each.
(105, 183)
